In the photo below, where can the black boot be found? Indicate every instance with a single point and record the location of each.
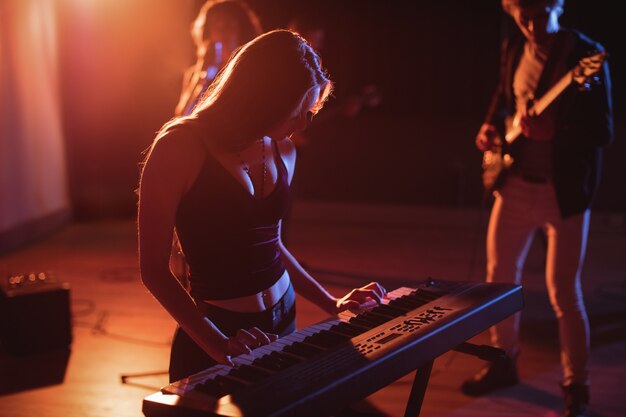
(498, 374)
(576, 400)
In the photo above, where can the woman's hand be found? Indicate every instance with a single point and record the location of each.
(243, 342)
(367, 296)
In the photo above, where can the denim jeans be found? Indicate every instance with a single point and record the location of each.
(521, 208)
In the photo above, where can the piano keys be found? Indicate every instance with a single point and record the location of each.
(332, 364)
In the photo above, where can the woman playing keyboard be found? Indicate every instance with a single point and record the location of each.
(220, 178)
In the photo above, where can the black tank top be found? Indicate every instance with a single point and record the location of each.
(230, 238)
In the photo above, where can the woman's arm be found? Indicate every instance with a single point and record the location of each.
(313, 291)
(171, 167)
(165, 176)
(303, 282)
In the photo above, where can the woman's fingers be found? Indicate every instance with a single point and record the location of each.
(347, 304)
(252, 337)
(379, 289)
(261, 338)
(367, 296)
(245, 341)
(362, 295)
(237, 347)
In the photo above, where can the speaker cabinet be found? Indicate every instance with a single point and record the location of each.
(35, 314)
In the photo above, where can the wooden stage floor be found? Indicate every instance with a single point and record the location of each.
(119, 329)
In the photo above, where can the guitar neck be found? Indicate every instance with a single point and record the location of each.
(541, 104)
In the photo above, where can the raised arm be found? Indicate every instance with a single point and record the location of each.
(365, 296)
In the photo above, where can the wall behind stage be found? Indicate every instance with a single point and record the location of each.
(121, 66)
(434, 62)
(34, 195)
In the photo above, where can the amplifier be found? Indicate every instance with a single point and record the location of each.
(35, 314)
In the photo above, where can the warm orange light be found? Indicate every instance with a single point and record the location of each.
(32, 150)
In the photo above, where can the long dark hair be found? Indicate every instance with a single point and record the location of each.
(262, 83)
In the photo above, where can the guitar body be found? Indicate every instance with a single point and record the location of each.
(496, 161)
(499, 159)
(493, 166)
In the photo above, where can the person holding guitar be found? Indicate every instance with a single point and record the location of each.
(220, 27)
(555, 89)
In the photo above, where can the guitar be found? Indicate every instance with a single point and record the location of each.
(497, 159)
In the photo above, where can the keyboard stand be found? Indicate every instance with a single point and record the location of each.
(418, 390)
(422, 375)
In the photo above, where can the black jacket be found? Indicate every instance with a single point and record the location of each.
(584, 121)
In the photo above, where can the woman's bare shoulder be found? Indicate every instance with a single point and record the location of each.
(179, 142)
(176, 155)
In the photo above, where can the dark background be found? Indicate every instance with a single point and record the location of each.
(434, 62)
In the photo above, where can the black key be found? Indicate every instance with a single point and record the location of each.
(249, 373)
(387, 309)
(229, 384)
(346, 330)
(405, 301)
(419, 299)
(414, 301)
(287, 358)
(326, 339)
(327, 334)
(357, 328)
(363, 322)
(267, 363)
(425, 296)
(374, 318)
(381, 313)
(303, 350)
(212, 388)
(352, 328)
(403, 304)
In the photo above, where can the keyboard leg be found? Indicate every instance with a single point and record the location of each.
(416, 398)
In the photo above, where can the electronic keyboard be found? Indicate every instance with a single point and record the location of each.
(326, 367)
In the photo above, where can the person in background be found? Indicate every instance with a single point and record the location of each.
(550, 184)
(220, 177)
(219, 29)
